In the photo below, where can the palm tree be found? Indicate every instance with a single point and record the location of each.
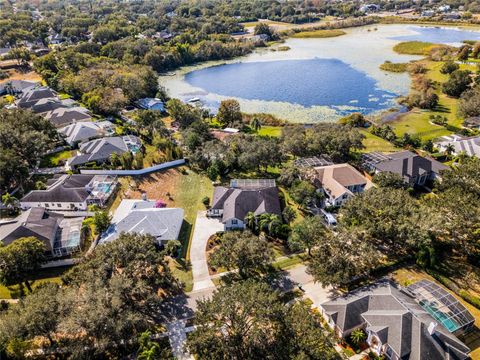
(10, 202)
(251, 221)
(449, 149)
(255, 124)
(269, 223)
(358, 336)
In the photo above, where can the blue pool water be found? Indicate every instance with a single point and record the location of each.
(438, 35)
(450, 324)
(310, 82)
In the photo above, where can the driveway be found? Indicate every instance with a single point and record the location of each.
(204, 228)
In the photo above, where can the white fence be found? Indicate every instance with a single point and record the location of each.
(145, 171)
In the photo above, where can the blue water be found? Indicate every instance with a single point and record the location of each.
(311, 82)
(438, 35)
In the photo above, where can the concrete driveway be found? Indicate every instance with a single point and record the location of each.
(204, 228)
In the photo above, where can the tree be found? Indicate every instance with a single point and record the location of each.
(251, 221)
(358, 336)
(355, 120)
(449, 150)
(269, 223)
(303, 192)
(172, 247)
(307, 234)
(10, 201)
(151, 350)
(448, 67)
(339, 258)
(184, 114)
(247, 320)
(469, 104)
(458, 82)
(229, 113)
(251, 254)
(389, 180)
(289, 214)
(102, 221)
(263, 28)
(20, 259)
(255, 124)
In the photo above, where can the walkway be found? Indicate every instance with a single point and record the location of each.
(204, 228)
(177, 336)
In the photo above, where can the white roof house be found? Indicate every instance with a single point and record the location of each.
(467, 145)
(144, 217)
(86, 130)
(151, 104)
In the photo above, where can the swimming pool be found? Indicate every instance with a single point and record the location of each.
(444, 319)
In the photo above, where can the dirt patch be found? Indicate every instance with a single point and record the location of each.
(28, 76)
(157, 186)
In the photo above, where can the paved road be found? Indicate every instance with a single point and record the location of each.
(177, 337)
(204, 228)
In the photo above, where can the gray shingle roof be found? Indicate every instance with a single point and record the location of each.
(102, 149)
(62, 116)
(139, 216)
(236, 203)
(33, 222)
(66, 188)
(35, 93)
(397, 319)
(85, 130)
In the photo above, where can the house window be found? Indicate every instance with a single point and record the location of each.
(46, 205)
(234, 222)
(388, 352)
(59, 205)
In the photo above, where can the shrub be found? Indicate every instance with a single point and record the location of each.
(206, 201)
(449, 67)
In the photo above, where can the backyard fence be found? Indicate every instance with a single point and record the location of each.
(140, 172)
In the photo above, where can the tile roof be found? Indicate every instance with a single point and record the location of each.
(335, 179)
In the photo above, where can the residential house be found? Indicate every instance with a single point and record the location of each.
(63, 116)
(233, 203)
(339, 182)
(151, 104)
(146, 218)
(86, 130)
(71, 192)
(413, 168)
(32, 95)
(416, 323)
(472, 123)
(469, 146)
(259, 38)
(15, 87)
(55, 39)
(61, 236)
(100, 150)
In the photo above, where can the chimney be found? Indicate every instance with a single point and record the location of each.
(432, 327)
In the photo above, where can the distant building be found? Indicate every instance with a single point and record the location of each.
(233, 203)
(61, 236)
(146, 218)
(339, 182)
(370, 8)
(55, 39)
(63, 116)
(32, 95)
(151, 104)
(428, 13)
(415, 323)
(259, 37)
(469, 146)
(100, 150)
(15, 87)
(413, 168)
(71, 192)
(472, 123)
(86, 130)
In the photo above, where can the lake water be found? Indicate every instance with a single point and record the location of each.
(317, 79)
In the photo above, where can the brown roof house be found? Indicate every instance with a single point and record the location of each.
(339, 182)
(419, 322)
(233, 203)
(60, 235)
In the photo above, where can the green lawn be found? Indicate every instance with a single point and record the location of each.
(413, 47)
(55, 159)
(318, 34)
(274, 131)
(418, 121)
(376, 143)
(41, 276)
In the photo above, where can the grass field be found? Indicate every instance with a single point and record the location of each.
(41, 276)
(394, 67)
(318, 34)
(251, 24)
(413, 47)
(274, 131)
(375, 143)
(56, 159)
(418, 121)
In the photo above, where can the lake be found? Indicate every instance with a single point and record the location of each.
(317, 79)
